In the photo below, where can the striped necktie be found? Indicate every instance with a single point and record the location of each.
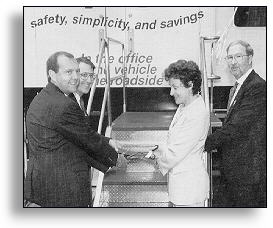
(82, 106)
(231, 94)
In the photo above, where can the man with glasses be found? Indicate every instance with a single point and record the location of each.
(87, 77)
(242, 138)
(61, 145)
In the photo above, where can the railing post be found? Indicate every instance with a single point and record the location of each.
(124, 78)
(205, 94)
(93, 88)
(109, 109)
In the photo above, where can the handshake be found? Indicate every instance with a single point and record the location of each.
(152, 151)
(121, 161)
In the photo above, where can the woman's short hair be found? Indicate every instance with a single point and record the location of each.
(186, 72)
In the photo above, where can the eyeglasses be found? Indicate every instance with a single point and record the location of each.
(237, 57)
(84, 76)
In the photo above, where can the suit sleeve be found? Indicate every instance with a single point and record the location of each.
(187, 134)
(71, 123)
(251, 107)
(96, 164)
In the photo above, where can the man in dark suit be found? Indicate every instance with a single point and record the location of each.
(86, 80)
(242, 138)
(61, 144)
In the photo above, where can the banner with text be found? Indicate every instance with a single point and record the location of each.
(156, 37)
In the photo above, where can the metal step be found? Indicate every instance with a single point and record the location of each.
(139, 183)
(133, 204)
(133, 195)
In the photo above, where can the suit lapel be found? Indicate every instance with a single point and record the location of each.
(176, 117)
(72, 96)
(240, 93)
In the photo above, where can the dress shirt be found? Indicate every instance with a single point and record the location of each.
(78, 98)
(240, 83)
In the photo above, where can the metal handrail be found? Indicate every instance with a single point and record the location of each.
(124, 71)
(25, 149)
(93, 88)
(205, 94)
(106, 98)
(124, 78)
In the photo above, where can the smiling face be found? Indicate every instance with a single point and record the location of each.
(181, 94)
(67, 77)
(241, 65)
(86, 80)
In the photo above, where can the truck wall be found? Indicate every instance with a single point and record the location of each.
(161, 35)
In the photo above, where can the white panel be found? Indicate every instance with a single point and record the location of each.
(76, 30)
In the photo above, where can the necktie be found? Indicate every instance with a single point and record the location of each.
(231, 94)
(71, 95)
(82, 106)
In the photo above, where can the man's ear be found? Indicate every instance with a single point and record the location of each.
(250, 59)
(52, 75)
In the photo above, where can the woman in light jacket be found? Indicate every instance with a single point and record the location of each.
(182, 155)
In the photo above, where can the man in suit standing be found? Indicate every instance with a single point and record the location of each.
(86, 80)
(242, 138)
(62, 146)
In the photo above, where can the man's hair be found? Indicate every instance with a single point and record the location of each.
(52, 62)
(186, 72)
(249, 49)
(86, 60)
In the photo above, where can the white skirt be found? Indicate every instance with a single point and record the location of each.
(188, 187)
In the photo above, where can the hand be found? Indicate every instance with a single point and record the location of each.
(121, 161)
(113, 143)
(159, 151)
(156, 154)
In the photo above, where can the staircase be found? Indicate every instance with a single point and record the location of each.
(139, 183)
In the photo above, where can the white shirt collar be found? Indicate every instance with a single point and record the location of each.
(240, 82)
(77, 96)
(243, 78)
